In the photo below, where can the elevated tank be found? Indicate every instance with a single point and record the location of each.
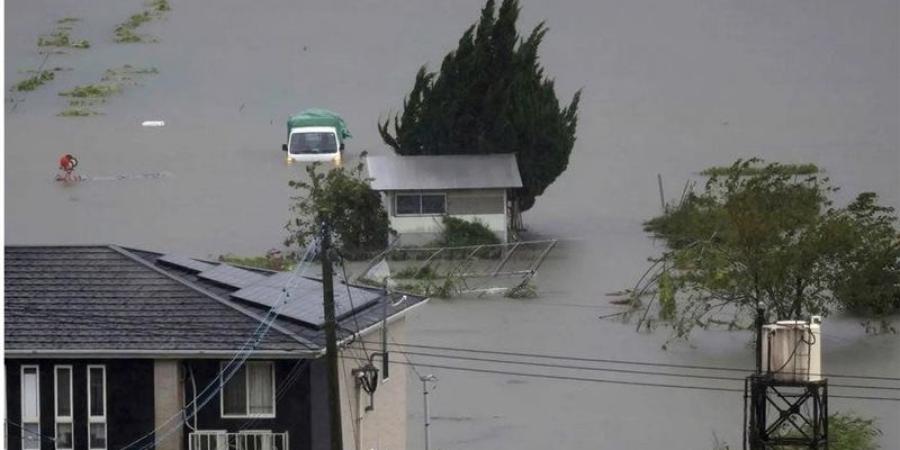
(792, 350)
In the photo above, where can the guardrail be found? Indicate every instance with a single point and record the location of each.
(244, 440)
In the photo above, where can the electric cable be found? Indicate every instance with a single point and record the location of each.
(617, 361)
(621, 382)
(352, 307)
(605, 369)
(25, 430)
(289, 380)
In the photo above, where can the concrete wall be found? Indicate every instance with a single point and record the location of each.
(485, 205)
(384, 428)
(168, 399)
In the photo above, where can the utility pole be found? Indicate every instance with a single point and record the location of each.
(425, 381)
(331, 356)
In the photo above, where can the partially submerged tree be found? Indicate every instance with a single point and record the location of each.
(767, 234)
(344, 198)
(490, 96)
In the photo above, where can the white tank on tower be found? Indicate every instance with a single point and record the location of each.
(792, 350)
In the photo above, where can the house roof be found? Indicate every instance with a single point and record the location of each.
(108, 300)
(429, 172)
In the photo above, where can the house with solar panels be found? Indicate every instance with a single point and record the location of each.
(110, 347)
(418, 191)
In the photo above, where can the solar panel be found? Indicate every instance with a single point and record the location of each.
(231, 276)
(304, 298)
(186, 263)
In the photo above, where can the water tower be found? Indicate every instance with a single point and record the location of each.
(786, 401)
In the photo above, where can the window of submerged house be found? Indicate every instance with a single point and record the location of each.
(250, 392)
(420, 204)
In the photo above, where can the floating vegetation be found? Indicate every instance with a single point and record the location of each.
(60, 38)
(84, 99)
(160, 5)
(125, 33)
(92, 91)
(32, 83)
(77, 112)
(66, 20)
(55, 69)
(127, 73)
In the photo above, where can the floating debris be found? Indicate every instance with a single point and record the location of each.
(60, 38)
(125, 33)
(85, 98)
(32, 83)
(153, 123)
(124, 177)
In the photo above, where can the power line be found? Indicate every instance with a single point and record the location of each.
(605, 369)
(26, 430)
(352, 307)
(618, 361)
(619, 382)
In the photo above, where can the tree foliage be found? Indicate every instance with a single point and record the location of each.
(768, 234)
(490, 96)
(460, 233)
(851, 432)
(845, 432)
(344, 199)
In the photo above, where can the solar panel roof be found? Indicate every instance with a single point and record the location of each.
(231, 276)
(186, 263)
(300, 298)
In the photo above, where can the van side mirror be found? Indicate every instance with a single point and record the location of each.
(284, 147)
(342, 145)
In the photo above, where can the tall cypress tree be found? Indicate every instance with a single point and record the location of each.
(490, 96)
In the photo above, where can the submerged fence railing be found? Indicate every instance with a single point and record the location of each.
(472, 268)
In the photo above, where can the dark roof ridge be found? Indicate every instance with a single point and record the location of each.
(205, 292)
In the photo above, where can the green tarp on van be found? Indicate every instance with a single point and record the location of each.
(316, 117)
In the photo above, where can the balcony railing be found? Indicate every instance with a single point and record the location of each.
(244, 440)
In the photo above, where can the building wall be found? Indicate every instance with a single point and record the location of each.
(383, 428)
(292, 408)
(485, 205)
(129, 400)
(168, 394)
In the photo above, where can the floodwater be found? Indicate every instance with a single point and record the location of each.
(670, 87)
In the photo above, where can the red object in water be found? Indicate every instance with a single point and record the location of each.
(68, 163)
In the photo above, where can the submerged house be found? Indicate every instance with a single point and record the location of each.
(419, 190)
(110, 348)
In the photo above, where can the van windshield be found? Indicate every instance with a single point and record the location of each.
(313, 143)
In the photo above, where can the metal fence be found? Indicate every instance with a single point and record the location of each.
(474, 268)
(244, 440)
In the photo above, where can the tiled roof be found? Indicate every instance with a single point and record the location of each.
(106, 298)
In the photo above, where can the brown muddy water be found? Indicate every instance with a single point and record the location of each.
(670, 87)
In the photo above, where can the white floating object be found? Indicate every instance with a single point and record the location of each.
(153, 123)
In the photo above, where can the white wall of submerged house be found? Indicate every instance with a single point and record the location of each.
(488, 206)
